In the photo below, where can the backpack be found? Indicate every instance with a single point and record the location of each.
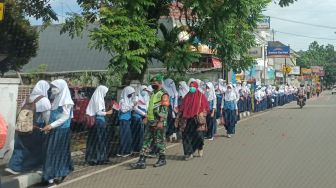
(3, 131)
(26, 118)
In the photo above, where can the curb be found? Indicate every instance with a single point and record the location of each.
(22, 181)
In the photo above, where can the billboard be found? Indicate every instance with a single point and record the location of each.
(278, 52)
(295, 71)
(256, 52)
(265, 23)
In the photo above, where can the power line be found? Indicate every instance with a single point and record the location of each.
(304, 23)
(305, 36)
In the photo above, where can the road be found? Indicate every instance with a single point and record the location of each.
(283, 148)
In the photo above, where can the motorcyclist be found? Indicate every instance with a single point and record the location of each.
(301, 93)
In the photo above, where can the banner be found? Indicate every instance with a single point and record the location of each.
(278, 52)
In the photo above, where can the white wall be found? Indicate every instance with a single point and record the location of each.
(8, 97)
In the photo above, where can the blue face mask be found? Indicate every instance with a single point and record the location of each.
(143, 93)
(192, 89)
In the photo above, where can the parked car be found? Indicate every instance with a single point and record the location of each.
(333, 91)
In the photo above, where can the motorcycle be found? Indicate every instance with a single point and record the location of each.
(301, 101)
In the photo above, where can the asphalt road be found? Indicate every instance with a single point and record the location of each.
(283, 148)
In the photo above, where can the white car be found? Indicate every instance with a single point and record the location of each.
(333, 91)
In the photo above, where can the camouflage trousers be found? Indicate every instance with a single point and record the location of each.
(154, 138)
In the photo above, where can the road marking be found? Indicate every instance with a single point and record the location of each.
(134, 159)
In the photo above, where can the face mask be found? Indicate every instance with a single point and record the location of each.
(192, 89)
(155, 87)
(143, 93)
(55, 91)
(129, 96)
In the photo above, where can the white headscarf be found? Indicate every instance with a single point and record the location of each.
(142, 101)
(170, 87)
(63, 97)
(258, 94)
(183, 89)
(231, 95)
(222, 86)
(41, 89)
(97, 102)
(191, 80)
(127, 103)
(211, 95)
(149, 88)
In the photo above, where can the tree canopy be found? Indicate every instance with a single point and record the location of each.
(19, 41)
(320, 55)
(228, 26)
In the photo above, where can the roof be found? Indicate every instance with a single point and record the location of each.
(63, 54)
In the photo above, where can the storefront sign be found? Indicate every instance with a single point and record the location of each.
(278, 52)
(256, 52)
(305, 71)
(295, 70)
(265, 23)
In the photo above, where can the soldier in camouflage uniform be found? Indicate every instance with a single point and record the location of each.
(155, 128)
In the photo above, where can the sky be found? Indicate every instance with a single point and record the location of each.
(316, 12)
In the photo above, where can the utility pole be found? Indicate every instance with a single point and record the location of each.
(273, 34)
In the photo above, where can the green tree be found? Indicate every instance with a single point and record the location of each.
(19, 41)
(320, 55)
(225, 25)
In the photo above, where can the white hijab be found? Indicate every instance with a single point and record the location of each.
(41, 89)
(142, 101)
(125, 101)
(63, 97)
(211, 95)
(222, 86)
(97, 102)
(191, 80)
(170, 87)
(231, 95)
(183, 89)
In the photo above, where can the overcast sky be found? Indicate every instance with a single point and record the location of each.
(320, 12)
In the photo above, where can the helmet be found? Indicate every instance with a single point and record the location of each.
(301, 85)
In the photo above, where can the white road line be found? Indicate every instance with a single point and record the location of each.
(134, 159)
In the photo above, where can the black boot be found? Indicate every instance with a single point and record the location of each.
(161, 162)
(141, 164)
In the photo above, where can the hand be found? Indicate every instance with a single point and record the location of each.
(145, 120)
(159, 125)
(47, 128)
(213, 114)
(109, 112)
(237, 113)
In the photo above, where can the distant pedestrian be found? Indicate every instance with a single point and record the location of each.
(170, 87)
(96, 147)
(58, 163)
(125, 133)
(211, 118)
(28, 148)
(230, 110)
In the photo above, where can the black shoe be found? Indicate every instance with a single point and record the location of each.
(161, 162)
(141, 164)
